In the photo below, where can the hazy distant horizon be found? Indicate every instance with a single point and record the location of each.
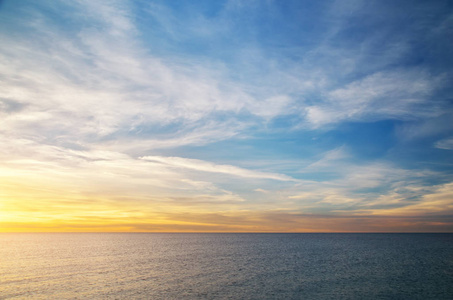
(236, 232)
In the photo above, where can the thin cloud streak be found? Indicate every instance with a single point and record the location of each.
(204, 166)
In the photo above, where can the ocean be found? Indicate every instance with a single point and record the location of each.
(226, 266)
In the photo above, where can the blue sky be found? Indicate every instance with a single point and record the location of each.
(226, 115)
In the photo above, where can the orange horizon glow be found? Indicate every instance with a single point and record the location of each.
(39, 204)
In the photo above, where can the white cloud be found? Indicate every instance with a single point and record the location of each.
(329, 160)
(397, 94)
(429, 127)
(352, 188)
(204, 166)
(446, 144)
(26, 166)
(438, 200)
(100, 81)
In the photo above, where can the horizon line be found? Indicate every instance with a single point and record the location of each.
(239, 232)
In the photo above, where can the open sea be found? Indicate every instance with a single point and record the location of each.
(225, 266)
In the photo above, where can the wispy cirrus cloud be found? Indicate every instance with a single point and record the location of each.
(102, 79)
(199, 165)
(397, 95)
(446, 144)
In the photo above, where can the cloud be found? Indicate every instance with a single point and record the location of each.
(204, 166)
(427, 128)
(328, 158)
(101, 83)
(438, 200)
(354, 188)
(397, 94)
(446, 144)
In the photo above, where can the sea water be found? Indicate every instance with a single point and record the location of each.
(225, 266)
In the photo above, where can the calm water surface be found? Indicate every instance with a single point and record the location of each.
(226, 266)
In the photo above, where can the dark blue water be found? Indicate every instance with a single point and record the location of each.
(226, 266)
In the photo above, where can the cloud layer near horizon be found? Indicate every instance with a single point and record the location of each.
(226, 116)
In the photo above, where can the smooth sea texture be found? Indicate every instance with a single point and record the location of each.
(225, 266)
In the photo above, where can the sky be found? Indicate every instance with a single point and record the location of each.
(226, 116)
